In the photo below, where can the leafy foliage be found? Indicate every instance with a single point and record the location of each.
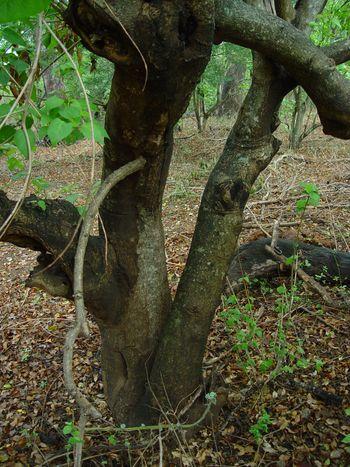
(14, 10)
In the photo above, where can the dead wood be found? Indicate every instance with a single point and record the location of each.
(253, 260)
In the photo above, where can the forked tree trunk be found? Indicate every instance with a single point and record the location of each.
(152, 347)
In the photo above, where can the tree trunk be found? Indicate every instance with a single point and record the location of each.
(143, 108)
(249, 149)
(199, 110)
(231, 92)
(299, 111)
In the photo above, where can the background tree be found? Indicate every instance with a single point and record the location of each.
(332, 24)
(223, 84)
(153, 345)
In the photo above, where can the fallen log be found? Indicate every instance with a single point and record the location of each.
(253, 260)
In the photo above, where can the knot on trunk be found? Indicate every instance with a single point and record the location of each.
(231, 195)
(49, 278)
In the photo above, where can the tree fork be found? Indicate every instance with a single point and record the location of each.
(249, 149)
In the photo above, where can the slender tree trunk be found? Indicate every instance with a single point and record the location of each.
(198, 110)
(299, 111)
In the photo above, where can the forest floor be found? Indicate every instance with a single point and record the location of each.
(298, 416)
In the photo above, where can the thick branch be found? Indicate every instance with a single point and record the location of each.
(279, 41)
(81, 326)
(53, 232)
(285, 9)
(339, 51)
(306, 11)
(37, 229)
(249, 149)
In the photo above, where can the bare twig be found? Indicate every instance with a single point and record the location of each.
(78, 447)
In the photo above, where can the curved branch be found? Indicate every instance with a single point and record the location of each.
(281, 42)
(285, 9)
(80, 326)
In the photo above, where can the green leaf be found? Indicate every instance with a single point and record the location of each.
(112, 440)
(4, 78)
(40, 184)
(58, 130)
(73, 197)
(346, 439)
(266, 365)
(4, 110)
(68, 428)
(13, 37)
(99, 132)
(72, 111)
(14, 164)
(301, 205)
(42, 204)
(290, 260)
(20, 141)
(29, 122)
(19, 65)
(15, 10)
(281, 289)
(53, 102)
(6, 134)
(347, 411)
(314, 199)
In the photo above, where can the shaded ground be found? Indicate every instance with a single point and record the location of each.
(287, 329)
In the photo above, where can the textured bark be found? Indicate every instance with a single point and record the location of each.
(339, 51)
(51, 231)
(296, 130)
(306, 11)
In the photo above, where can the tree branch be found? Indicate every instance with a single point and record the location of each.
(281, 42)
(285, 9)
(40, 230)
(306, 11)
(339, 51)
(52, 232)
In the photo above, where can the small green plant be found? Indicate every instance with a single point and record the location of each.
(312, 197)
(73, 432)
(25, 354)
(319, 363)
(261, 427)
(112, 440)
